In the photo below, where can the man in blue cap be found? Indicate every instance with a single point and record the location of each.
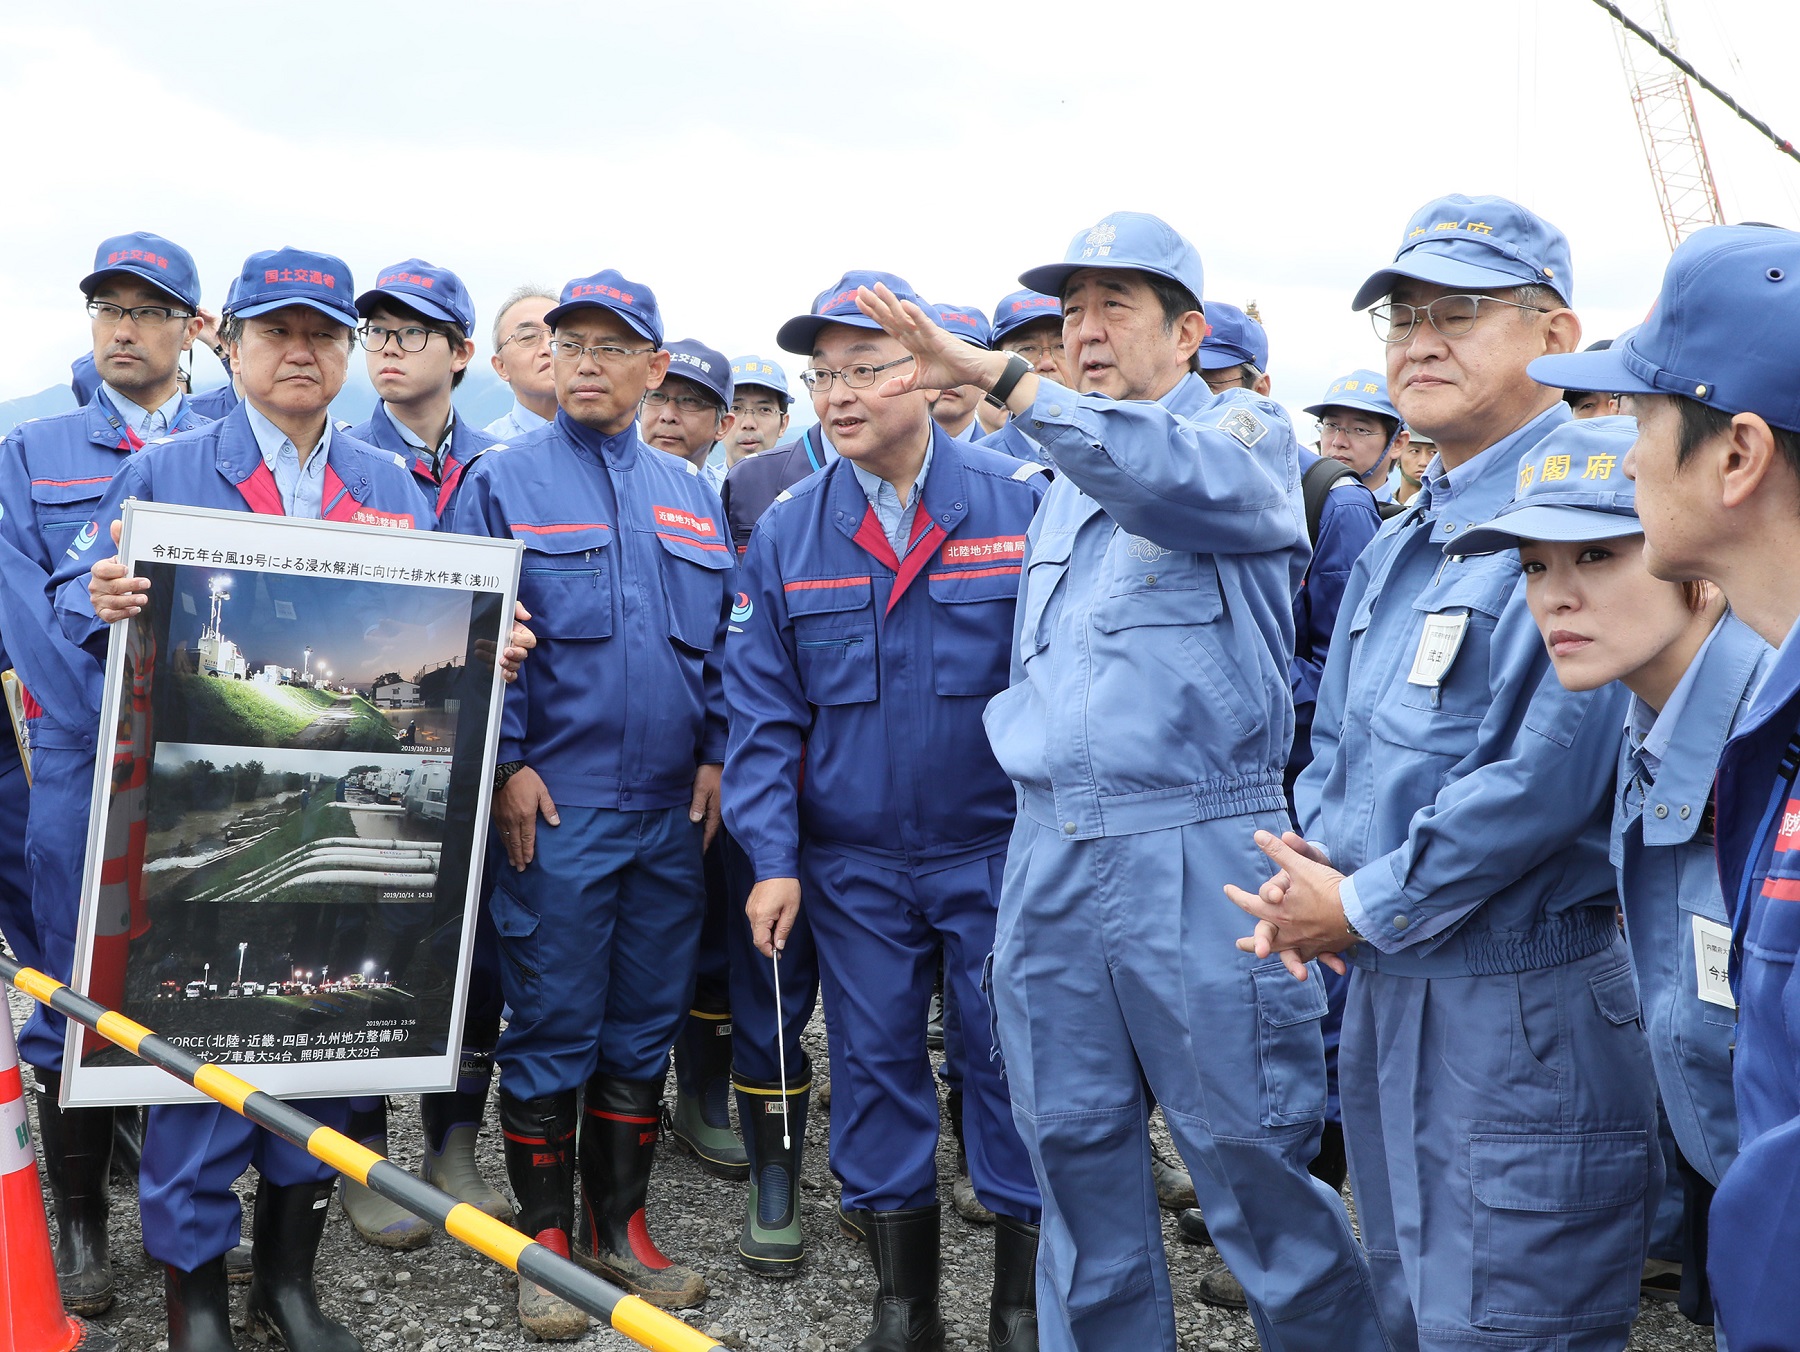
(1235, 352)
(759, 403)
(416, 323)
(955, 410)
(689, 414)
(876, 619)
(1709, 376)
(1029, 323)
(290, 329)
(143, 299)
(1360, 429)
(1146, 729)
(610, 748)
(1463, 800)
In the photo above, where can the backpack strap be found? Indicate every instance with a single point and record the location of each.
(1320, 478)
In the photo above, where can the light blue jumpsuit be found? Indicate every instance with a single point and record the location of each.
(1147, 727)
(1499, 1106)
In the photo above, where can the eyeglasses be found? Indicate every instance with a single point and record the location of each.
(530, 336)
(1452, 316)
(859, 377)
(1355, 431)
(686, 403)
(412, 338)
(607, 354)
(1036, 352)
(144, 316)
(759, 410)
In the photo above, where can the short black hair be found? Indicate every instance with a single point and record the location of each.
(1700, 423)
(451, 333)
(1176, 299)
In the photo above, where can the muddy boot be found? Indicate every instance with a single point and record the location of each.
(540, 1163)
(771, 1244)
(618, 1145)
(238, 1267)
(77, 1145)
(1174, 1186)
(385, 1224)
(853, 1223)
(903, 1246)
(284, 1305)
(199, 1308)
(452, 1121)
(701, 1120)
(1012, 1311)
(962, 1191)
(1220, 1289)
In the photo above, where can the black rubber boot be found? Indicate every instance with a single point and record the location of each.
(619, 1126)
(903, 1246)
(1331, 1166)
(284, 1306)
(540, 1162)
(771, 1243)
(1012, 1312)
(199, 1308)
(78, 1145)
(701, 1121)
(128, 1145)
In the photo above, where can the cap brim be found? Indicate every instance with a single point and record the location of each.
(800, 332)
(1216, 359)
(1604, 372)
(346, 316)
(93, 279)
(429, 308)
(1051, 277)
(1439, 271)
(1318, 409)
(743, 385)
(555, 316)
(1544, 522)
(1002, 332)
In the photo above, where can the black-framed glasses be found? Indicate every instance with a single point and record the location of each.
(686, 403)
(1356, 431)
(1452, 316)
(858, 377)
(412, 338)
(530, 334)
(761, 408)
(607, 354)
(1036, 352)
(144, 316)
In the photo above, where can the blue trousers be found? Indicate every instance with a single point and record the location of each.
(62, 786)
(879, 932)
(755, 1019)
(1114, 962)
(193, 1153)
(1503, 1152)
(598, 938)
(16, 921)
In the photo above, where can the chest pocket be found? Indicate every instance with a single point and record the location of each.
(971, 630)
(1444, 719)
(1047, 566)
(1148, 585)
(693, 577)
(834, 640)
(565, 582)
(65, 507)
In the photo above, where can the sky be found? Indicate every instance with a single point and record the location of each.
(739, 158)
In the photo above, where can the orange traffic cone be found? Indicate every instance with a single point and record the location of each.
(32, 1318)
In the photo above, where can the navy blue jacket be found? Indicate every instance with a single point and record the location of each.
(757, 480)
(467, 444)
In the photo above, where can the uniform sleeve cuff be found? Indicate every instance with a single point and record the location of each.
(1380, 919)
(777, 864)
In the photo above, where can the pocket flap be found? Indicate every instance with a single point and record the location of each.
(1283, 1001)
(1050, 547)
(1590, 1171)
(1485, 584)
(1617, 995)
(998, 583)
(827, 595)
(61, 491)
(686, 544)
(510, 915)
(562, 537)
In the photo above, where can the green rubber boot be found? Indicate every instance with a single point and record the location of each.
(771, 1243)
(700, 1122)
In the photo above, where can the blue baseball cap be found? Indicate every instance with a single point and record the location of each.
(1364, 390)
(436, 293)
(762, 373)
(1232, 339)
(1572, 487)
(1725, 330)
(1131, 240)
(1476, 244)
(707, 367)
(966, 322)
(278, 277)
(633, 302)
(1020, 308)
(836, 304)
(151, 258)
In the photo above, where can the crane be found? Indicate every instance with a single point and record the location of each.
(1663, 101)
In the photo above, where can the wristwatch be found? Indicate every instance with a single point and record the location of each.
(506, 771)
(1017, 368)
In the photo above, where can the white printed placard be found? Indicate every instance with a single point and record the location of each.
(1712, 962)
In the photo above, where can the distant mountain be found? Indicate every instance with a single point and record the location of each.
(56, 399)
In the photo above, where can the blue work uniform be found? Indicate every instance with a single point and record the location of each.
(438, 469)
(1011, 440)
(193, 1153)
(1146, 728)
(1468, 797)
(514, 423)
(626, 574)
(756, 481)
(1756, 1212)
(866, 642)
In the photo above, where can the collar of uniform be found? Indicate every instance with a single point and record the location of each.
(618, 451)
(872, 484)
(417, 443)
(137, 417)
(523, 418)
(270, 439)
(1189, 395)
(1476, 490)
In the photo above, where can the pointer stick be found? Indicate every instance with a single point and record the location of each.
(787, 1142)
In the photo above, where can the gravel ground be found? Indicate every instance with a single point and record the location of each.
(446, 1297)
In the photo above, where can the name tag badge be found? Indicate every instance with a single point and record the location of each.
(1438, 647)
(1712, 963)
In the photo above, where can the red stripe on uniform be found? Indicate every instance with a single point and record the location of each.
(982, 572)
(530, 529)
(70, 483)
(1781, 889)
(690, 540)
(820, 584)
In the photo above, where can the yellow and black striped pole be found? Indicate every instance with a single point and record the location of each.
(636, 1318)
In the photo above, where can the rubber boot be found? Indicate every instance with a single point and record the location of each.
(962, 1192)
(385, 1224)
(1012, 1311)
(540, 1162)
(1331, 1166)
(853, 1223)
(128, 1145)
(701, 1121)
(199, 1308)
(771, 1243)
(284, 1305)
(452, 1122)
(618, 1145)
(903, 1246)
(77, 1146)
